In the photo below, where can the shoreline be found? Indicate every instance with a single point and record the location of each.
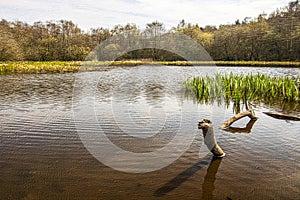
(38, 67)
(202, 63)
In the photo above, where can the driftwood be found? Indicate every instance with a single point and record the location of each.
(209, 136)
(248, 113)
(210, 139)
(246, 129)
(282, 116)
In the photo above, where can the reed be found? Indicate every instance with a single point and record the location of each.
(244, 88)
(38, 67)
(208, 63)
(258, 63)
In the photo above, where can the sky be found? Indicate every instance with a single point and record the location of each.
(107, 13)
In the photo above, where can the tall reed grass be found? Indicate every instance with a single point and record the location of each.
(244, 88)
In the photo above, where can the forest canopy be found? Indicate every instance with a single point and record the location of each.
(273, 37)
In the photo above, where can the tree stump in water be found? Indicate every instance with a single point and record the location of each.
(208, 131)
(209, 138)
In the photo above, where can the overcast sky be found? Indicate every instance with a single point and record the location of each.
(107, 13)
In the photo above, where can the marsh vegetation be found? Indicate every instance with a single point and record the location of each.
(26, 67)
(240, 88)
(38, 67)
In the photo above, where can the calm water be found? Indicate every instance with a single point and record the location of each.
(140, 109)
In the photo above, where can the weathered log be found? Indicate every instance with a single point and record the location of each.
(282, 116)
(248, 113)
(209, 138)
(246, 129)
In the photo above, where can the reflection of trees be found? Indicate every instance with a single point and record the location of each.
(48, 89)
(139, 95)
(136, 96)
(129, 88)
(128, 91)
(154, 92)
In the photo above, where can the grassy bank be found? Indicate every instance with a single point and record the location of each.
(258, 63)
(38, 67)
(64, 67)
(244, 88)
(205, 63)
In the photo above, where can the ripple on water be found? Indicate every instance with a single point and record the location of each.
(140, 109)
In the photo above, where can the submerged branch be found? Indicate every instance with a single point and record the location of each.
(282, 116)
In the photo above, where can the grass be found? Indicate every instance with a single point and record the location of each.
(258, 63)
(244, 88)
(38, 67)
(206, 63)
(28, 67)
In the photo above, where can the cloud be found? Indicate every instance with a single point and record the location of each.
(91, 13)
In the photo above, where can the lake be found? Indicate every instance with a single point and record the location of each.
(55, 128)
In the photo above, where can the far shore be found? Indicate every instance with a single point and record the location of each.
(37, 67)
(211, 63)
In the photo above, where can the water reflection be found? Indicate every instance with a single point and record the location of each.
(25, 91)
(154, 92)
(135, 113)
(42, 155)
(209, 179)
(182, 177)
(237, 107)
(208, 186)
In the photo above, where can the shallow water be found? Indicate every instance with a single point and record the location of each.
(141, 110)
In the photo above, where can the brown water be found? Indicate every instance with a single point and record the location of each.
(43, 157)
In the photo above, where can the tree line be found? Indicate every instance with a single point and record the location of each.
(274, 37)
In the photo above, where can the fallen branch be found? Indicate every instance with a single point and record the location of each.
(282, 116)
(246, 129)
(248, 113)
